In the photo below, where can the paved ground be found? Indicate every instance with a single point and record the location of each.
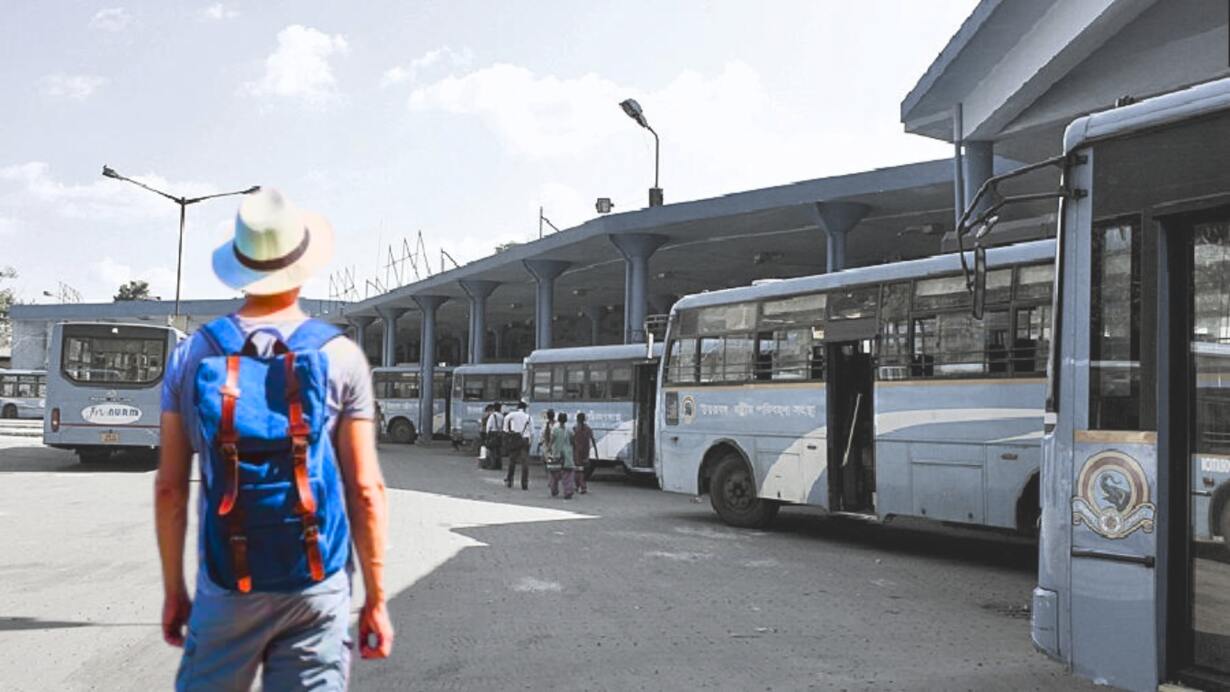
(627, 588)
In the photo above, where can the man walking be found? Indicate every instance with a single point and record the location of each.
(582, 442)
(518, 431)
(279, 410)
(495, 446)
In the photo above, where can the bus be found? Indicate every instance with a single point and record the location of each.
(23, 393)
(870, 391)
(104, 387)
(1134, 565)
(476, 386)
(397, 396)
(614, 386)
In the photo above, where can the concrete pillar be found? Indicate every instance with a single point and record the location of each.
(545, 272)
(388, 352)
(478, 291)
(497, 342)
(427, 361)
(360, 325)
(595, 313)
(837, 219)
(636, 248)
(979, 161)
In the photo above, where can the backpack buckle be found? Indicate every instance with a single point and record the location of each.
(230, 451)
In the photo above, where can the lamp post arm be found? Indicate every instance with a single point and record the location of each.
(138, 183)
(656, 147)
(194, 200)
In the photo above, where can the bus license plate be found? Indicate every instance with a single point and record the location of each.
(110, 438)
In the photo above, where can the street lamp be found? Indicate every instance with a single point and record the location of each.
(183, 202)
(634, 111)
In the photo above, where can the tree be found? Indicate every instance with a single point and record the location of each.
(7, 299)
(133, 290)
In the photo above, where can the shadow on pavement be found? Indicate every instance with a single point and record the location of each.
(39, 459)
(17, 624)
(919, 538)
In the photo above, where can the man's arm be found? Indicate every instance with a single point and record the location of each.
(367, 507)
(171, 523)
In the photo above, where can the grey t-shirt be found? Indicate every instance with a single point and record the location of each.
(350, 386)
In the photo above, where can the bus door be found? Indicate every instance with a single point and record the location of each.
(1199, 444)
(851, 425)
(644, 395)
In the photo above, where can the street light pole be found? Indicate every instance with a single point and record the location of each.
(634, 111)
(183, 203)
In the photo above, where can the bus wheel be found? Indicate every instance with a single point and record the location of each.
(401, 432)
(733, 495)
(10, 411)
(92, 456)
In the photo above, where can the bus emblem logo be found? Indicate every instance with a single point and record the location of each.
(1112, 496)
(687, 409)
(111, 414)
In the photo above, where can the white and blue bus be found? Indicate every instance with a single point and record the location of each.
(1133, 569)
(614, 386)
(23, 393)
(870, 391)
(104, 387)
(397, 397)
(475, 387)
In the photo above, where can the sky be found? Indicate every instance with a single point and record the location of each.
(454, 119)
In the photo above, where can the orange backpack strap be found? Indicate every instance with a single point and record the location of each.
(228, 440)
(299, 432)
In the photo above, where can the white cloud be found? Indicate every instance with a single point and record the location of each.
(219, 12)
(300, 66)
(439, 56)
(112, 19)
(72, 86)
(8, 226)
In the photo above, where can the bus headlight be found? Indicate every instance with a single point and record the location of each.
(55, 419)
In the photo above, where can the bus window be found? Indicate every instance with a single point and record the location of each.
(962, 342)
(740, 353)
(472, 388)
(1034, 283)
(800, 310)
(942, 293)
(681, 362)
(711, 354)
(105, 360)
(895, 331)
(1114, 311)
(721, 319)
(621, 382)
(1211, 337)
(766, 352)
(793, 355)
(558, 373)
(1032, 341)
(596, 390)
(509, 388)
(574, 386)
(853, 303)
(542, 384)
(27, 385)
(997, 333)
(8, 385)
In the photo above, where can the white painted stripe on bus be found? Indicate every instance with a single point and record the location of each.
(900, 420)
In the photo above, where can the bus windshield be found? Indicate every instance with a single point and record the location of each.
(105, 360)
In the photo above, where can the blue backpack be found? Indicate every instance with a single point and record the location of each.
(275, 516)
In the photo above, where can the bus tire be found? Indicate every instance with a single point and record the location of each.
(401, 431)
(732, 493)
(10, 411)
(1223, 524)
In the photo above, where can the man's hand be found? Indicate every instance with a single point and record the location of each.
(176, 608)
(375, 631)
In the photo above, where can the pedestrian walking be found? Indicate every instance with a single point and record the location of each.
(582, 442)
(484, 444)
(263, 396)
(560, 464)
(495, 447)
(544, 441)
(518, 430)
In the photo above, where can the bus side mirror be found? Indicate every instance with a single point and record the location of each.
(980, 280)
